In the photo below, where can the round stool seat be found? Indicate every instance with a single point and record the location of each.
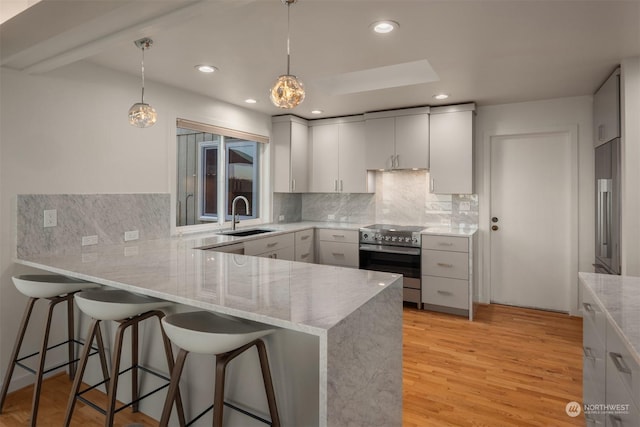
(209, 333)
(116, 304)
(49, 285)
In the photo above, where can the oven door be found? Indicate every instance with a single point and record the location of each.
(391, 259)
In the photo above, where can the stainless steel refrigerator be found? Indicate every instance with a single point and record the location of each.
(608, 208)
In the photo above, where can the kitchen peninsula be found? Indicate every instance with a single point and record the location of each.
(337, 359)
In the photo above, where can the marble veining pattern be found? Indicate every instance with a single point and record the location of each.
(619, 298)
(345, 207)
(106, 215)
(288, 205)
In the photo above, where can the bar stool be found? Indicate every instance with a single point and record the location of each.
(56, 289)
(128, 309)
(225, 337)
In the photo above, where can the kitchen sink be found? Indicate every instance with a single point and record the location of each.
(244, 233)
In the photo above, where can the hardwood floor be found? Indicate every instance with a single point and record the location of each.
(509, 367)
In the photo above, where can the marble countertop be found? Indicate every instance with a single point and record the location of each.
(305, 297)
(461, 231)
(619, 298)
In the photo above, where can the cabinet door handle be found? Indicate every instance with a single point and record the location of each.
(270, 245)
(588, 307)
(337, 254)
(588, 353)
(601, 133)
(305, 237)
(445, 244)
(444, 264)
(432, 185)
(397, 160)
(335, 185)
(293, 185)
(615, 421)
(340, 236)
(444, 292)
(618, 360)
(393, 162)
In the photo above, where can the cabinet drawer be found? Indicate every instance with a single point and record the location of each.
(268, 244)
(445, 243)
(446, 292)
(304, 246)
(594, 320)
(411, 295)
(454, 265)
(622, 365)
(593, 394)
(338, 235)
(340, 254)
(617, 394)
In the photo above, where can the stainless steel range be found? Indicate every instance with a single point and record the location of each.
(394, 249)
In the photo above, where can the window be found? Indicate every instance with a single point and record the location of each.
(215, 165)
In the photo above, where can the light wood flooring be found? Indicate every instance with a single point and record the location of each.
(509, 367)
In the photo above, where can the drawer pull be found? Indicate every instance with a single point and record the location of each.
(270, 245)
(305, 237)
(615, 421)
(619, 362)
(588, 353)
(338, 236)
(444, 264)
(444, 292)
(337, 254)
(445, 244)
(588, 307)
(304, 255)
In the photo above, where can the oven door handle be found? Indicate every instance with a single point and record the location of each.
(390, 249)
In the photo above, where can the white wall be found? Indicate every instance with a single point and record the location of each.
(575, 112)
(67, 132)
(630, 110)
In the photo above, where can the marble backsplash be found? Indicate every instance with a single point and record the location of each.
(106, 215)
(401, 197)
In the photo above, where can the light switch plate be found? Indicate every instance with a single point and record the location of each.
(281, 218)
(89, 240)
(131, 235)
(331, 217)
(50, 218)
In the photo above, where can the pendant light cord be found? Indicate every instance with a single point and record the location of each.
(143, 74)
(288, 37)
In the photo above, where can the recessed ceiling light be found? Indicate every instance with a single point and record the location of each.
(250, 101)
(317, 111)
(384, 27)
(206, 68)
(441, 96)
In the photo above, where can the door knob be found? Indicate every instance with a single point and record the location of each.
(494, 219)
(494, 227)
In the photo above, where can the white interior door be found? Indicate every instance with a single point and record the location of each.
(531, 207)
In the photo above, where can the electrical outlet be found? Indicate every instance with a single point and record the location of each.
(131, 235)
(465, 206)
(50, 218)
(331, 217)
(281, 218)
(89, 240)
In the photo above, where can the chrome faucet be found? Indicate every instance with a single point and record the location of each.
(233, 210)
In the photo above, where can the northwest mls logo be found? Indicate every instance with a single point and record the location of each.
(573, 409)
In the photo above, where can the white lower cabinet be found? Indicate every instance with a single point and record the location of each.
(277, 247)
(611, 375)
(338, 247)
(304, 246)
(447, 282)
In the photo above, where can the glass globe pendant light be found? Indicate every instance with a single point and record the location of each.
(288, 91)
(140, 114)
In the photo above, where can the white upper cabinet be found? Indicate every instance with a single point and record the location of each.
(451, 149)
(337, 161)
(606, 110)
(397, 139)
(290, 139)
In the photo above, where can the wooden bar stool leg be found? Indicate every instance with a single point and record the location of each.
(115, 370)
(16, 350)
(82, 364)
(134, 363)
(71, 337)
(103, 358)
(170, 364)
(173, 391)
(218, 394)
(268, 383)
(37, 386)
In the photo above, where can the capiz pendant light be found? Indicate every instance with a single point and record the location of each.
(288, 91)
(140, 114)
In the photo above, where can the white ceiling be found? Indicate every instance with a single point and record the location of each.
(489, 52)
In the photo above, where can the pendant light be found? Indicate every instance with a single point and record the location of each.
(288, 91)
(140, 114)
